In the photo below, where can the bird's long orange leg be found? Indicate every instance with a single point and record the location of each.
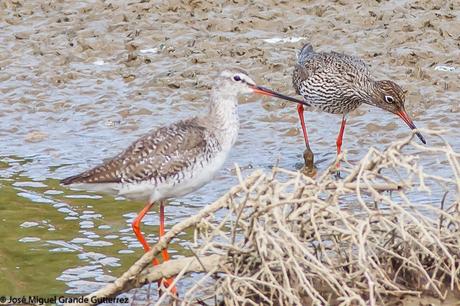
(162, 229)
(340, 138)
(302, 123)
(165, 253)
(137, 231)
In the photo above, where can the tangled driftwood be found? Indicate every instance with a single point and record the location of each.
(287, 239)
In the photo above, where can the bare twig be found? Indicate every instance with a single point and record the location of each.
(287, 239)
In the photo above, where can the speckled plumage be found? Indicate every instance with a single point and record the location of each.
(166, 155)
(174, 160)
(338, 83)
(331, 82)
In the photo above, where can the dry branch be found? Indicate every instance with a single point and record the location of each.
(287, 239)
(174, 267)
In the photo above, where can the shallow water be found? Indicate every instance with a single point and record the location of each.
(80, 80)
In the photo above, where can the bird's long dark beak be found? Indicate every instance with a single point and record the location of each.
(268, 92)
(405, 117)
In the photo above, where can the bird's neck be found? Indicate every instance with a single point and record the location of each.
(367, 91)
(223, 116)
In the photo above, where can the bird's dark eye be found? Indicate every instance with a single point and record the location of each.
(389, 99)
(237, 78)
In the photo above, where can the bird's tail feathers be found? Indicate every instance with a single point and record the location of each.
(72, 180)
(304, 53)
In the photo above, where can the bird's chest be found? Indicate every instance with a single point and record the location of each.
(330, 97)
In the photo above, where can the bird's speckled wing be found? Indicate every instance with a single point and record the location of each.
(158, 156)
(329, 80)
(346, 67)
(353, 61)
(312, 64)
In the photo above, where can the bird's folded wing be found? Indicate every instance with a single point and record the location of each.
(157, 156)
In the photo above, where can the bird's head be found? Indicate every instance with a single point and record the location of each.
(236, 81)
(390, 96)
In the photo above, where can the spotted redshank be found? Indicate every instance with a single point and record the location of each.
(337, 83)
(174, 160)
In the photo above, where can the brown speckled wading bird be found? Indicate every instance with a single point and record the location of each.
(174, 160)
(338, 83)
